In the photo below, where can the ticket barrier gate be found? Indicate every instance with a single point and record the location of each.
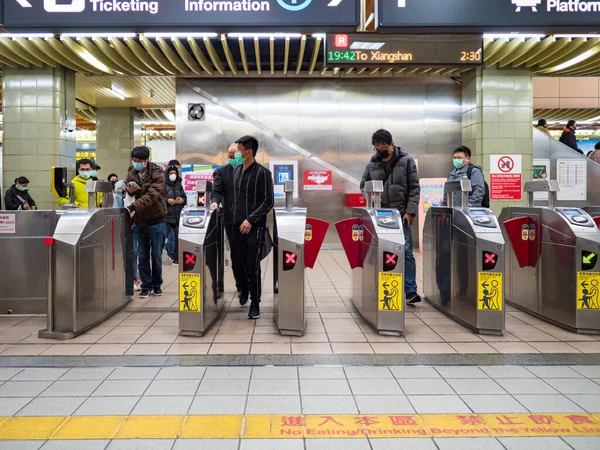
(463, 262)
(553, 271)
(297, 241)
(594, 211)
(373, 241)
(91, 269)
(201, 264)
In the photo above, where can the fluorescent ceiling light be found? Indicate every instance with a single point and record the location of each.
(26, 35)
(511, 35)
(264, 35)
(95, 62)
(117, 90)
(104, 35)
(576, 60)
(179, 35)
(319, 35)
(116, 94)
(366, 45)
(169, 115)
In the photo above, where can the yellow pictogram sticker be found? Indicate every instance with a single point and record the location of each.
(489, 291)
(390, 291)
(189, 292)
(588, 290)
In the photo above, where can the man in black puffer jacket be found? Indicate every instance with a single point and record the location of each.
(401, 190)
(176, 201)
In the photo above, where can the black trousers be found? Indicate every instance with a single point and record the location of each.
(234, 254)
(246, 263)
(175, 228)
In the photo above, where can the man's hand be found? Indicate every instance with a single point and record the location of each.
(26, 206)
(245, 227)
(132, 189)
(409, 219)
(179, 201)
(171, 201)
(214, 205)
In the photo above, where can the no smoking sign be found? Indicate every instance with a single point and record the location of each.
(506, 177)
(506, 164)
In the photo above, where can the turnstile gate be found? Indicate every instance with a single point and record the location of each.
(200, 264)
(553, 270)
(463, 262)
(374, 244)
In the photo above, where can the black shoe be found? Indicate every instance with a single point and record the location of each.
(413, 298)
(158, 292)
(244, 298)
(145, 293)
(254, 311)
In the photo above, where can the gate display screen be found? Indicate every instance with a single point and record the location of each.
(398, 49)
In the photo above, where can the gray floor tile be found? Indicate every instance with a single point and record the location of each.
(476, 386)
(461, 372)
(10, 406)
(323, 404)
(497, 372)
(438, 404)
(584, 443)
(42, 374)
(468, 444)
(382, 386)
(574, 386)
(545, 403)
(23, 388)
(171, 405)
(181, 373)
(134, 373)
(87, 374)
(321, 373)
(89, 444)
(206, 444)
(414, 372)
(272, 444)
(275, 373)
(126, 388)
(527, 443)
(384, 404)
(173, 387)
(223, 373)
(429, 387)
(553, 371)
(223, 387)
(591, 403)
(52, 406)
(324, 387)
(228, 404)
(20, 445)
(523, 386)
(274, 405)
(141, 444)
(407, 444)
(587, 371)
(274, 387)
(361, 373)
(489, 404)
(346, 444)
(7, 373)
(71, 389)
(107, 406)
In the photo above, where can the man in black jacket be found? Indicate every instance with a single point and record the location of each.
(17, 197)
(401, 190)
(176, 201)
(223, 195)
(568, 136)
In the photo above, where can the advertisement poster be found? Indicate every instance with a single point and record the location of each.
(432, 194)
(315, 180)
(190, 175)
(572, 179)
(506, 180)
(283, 171)
(541, 171)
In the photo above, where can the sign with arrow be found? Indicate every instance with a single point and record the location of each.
(391, 291)
(489, 295)
(588, 290)
(189, 292)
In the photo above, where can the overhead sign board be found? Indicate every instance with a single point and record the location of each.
(140, 15)
(398, 49)
(489, 15)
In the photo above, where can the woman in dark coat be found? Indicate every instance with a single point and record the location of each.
(17, 197)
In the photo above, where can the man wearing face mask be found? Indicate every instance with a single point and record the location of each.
(401, 190)
(17, 197)
(223, 195)
(146, 181)
(176, 201)
(84, 174)
(568, 136)
(463, 169)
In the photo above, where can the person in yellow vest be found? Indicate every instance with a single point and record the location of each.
(84, 174)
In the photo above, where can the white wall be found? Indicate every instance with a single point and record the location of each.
(162, 151)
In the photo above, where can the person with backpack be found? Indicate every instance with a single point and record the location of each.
(463, 168)
(176, 200)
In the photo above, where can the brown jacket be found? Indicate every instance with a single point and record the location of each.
(149, 205)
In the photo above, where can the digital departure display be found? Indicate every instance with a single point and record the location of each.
(399, 49)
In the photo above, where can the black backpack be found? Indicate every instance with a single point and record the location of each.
(485, 203)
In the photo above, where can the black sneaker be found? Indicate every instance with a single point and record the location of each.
(244, 298)
(158, 292)
(413, 298)
(254, 311)
(145, 293)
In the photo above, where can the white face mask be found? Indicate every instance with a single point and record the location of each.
(172, 177)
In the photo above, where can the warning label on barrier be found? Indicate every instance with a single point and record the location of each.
(189, 292)
(588, 290)
(489, 287)
(390, 291)
(8, 224)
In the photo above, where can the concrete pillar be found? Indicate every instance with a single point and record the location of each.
(114, 140)
(497, 115)
(35, 104)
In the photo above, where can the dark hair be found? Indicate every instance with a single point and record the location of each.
(112, 175)
(382, 137)
(571, 123)
(83, 162)
(249, 142)
(140, 152)
(174, 162)
(465, 150)
(542, 123)
(597, 146)
(21, 180)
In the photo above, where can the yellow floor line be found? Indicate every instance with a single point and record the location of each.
(298, 427)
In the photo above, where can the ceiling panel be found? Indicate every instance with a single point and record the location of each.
(141, 92)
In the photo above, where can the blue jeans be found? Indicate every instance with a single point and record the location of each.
(170, 245)
(150, 241)
(410, 266)
(136, 276)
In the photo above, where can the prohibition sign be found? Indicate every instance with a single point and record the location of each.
(506, 164)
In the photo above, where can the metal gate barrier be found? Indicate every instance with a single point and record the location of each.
(374, 244)
(553, 271)
(594, 211)
(463, 262)
(201, 264)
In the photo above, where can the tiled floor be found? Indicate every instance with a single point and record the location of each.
(333, 327)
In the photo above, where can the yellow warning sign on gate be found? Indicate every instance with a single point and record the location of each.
(390, 291)
(588, 290)
(189, 292)
(489, 291)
